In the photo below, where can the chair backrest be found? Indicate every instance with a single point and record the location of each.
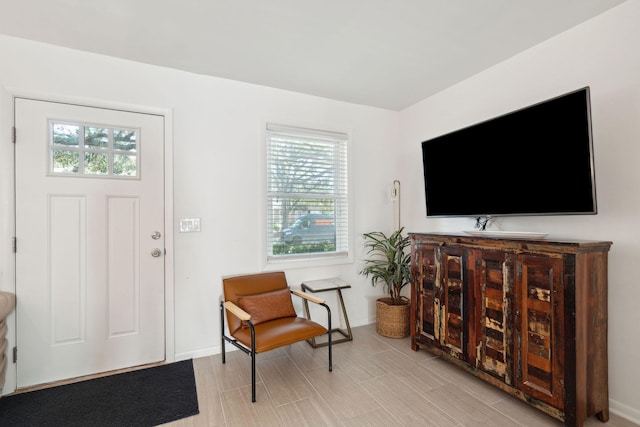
(251, 284)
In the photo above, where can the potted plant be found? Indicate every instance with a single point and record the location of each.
(389, 264)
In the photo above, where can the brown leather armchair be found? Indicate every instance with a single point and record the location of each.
(261, 316)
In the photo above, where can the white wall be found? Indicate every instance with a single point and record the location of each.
(217, 145)
(603, 54)
(217, 138)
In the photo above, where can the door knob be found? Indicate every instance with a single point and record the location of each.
(156, 252)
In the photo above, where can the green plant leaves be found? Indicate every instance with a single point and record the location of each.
(388, 263)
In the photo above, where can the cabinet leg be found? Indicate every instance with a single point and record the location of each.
(603, 415)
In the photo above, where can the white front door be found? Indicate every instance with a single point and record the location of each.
(90, 240)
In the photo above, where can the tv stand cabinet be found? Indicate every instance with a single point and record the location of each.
(528, 316)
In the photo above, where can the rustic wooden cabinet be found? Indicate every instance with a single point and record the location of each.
(528, 316)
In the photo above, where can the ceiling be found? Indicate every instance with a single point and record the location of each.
(382, 53)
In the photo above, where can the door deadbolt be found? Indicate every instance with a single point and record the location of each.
(156, 235)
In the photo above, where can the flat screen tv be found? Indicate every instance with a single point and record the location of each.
(534, 161)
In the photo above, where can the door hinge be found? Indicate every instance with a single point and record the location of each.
(14, 244)
(15, 354)
(13, 135)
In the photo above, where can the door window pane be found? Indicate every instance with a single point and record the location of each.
(124, 165)
(96, 163)
(96, 137)
(66, 135)
(124, 140)
(77, 149)
(66, 162)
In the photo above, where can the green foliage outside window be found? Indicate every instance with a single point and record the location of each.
(100, 147)
(281, 248)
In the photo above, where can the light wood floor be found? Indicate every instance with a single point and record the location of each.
(376, 381)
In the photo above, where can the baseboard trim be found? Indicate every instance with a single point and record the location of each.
(625, 411)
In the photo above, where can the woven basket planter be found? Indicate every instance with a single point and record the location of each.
(392, 321)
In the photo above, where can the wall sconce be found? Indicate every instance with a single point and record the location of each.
(395, 195)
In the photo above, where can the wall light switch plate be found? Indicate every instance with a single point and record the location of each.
(189, 225)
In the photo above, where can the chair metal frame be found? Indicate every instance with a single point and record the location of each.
(244, 316)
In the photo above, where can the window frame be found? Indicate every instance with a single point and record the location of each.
(82, 150)
(314, 258)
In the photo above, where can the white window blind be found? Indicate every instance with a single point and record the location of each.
(307, 193)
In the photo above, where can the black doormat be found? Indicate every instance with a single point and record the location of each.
(146, 397)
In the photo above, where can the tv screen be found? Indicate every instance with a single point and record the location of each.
(533, 161)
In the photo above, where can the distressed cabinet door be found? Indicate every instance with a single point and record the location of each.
(440, 292)
(539, 327)
(492, 336)
(452, 325)
(426, 293)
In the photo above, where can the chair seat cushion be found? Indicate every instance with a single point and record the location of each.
(279, 332)
(267, 306)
